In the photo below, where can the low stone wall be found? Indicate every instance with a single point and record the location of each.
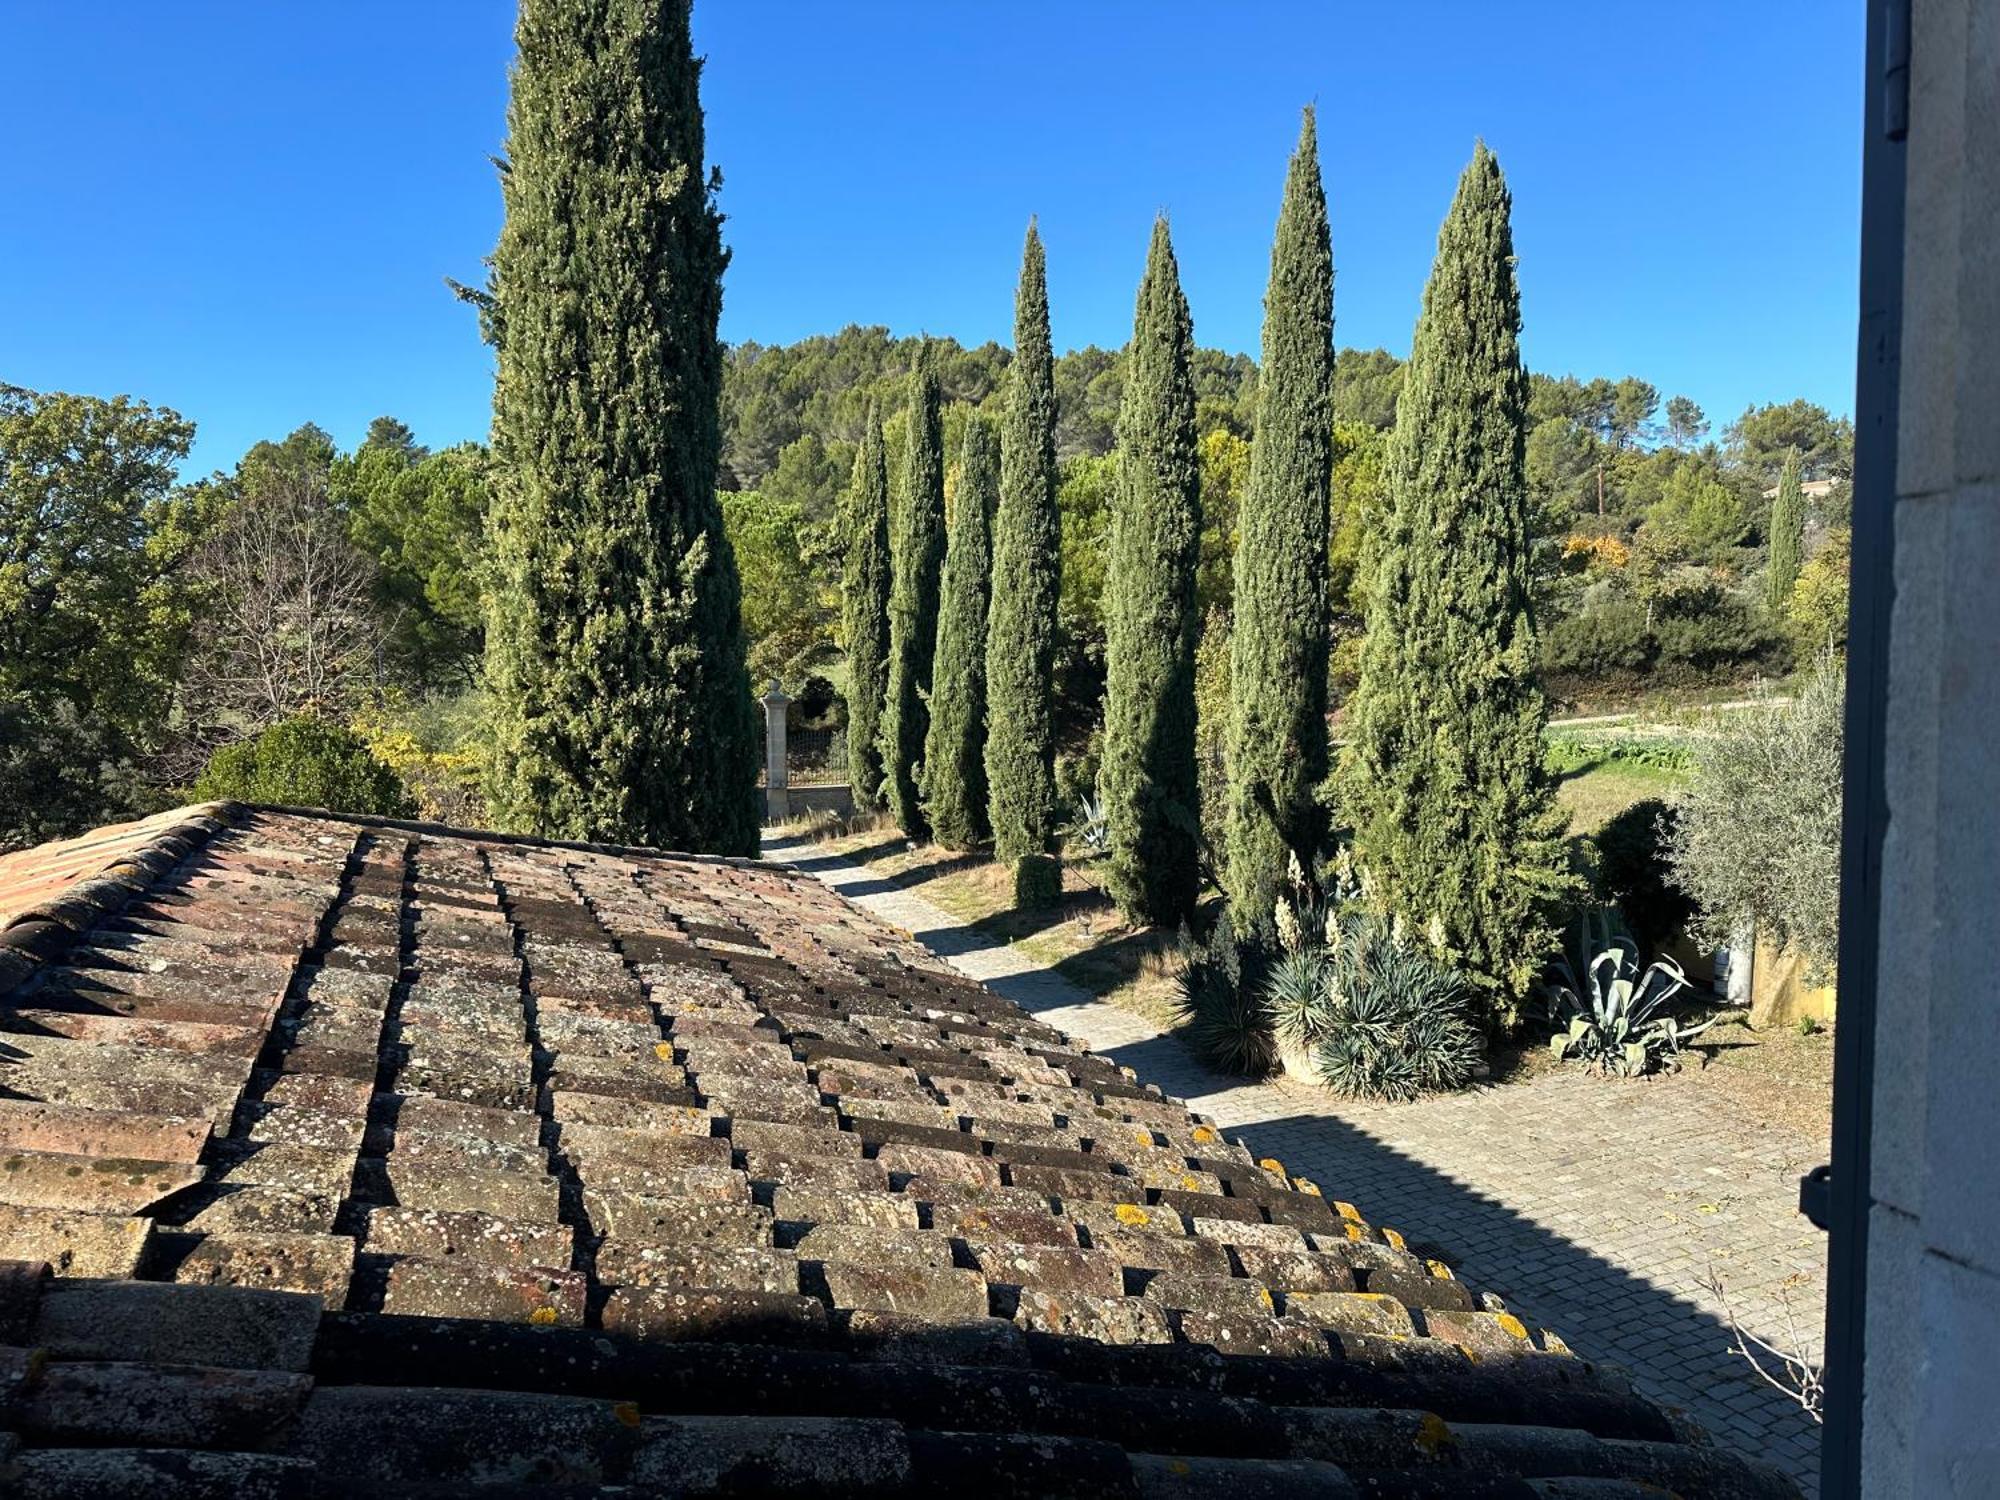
(838, 799)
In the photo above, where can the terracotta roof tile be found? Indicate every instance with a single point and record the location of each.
(415, 1157)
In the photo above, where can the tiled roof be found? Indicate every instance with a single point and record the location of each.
(371, 1157)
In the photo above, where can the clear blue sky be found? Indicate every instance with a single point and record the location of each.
(246, 211)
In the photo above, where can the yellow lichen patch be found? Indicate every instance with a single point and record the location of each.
(1205, 1135)
(1264, 1296)
(1142, 1135)
(1434, 1434)
(1190, 1182)
(1347, 1211)
(1272, 1164)
(1307, 1186)
(1180, 1466)
(1512, 1325)
(1395, 1240)
(664, 1051)
(1131, 1213)
(626, 1412)
(541, 1317)
(1373, 1296)
(1353, 1230)
(1440, 1270)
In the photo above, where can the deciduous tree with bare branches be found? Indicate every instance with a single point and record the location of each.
(286, 625)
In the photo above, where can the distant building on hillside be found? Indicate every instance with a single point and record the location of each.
(1814, 490)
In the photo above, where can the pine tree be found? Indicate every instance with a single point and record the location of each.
(955, 753)
(1788, 533)
(1455, 818)
(615, 657)
(1027, 571)
(1278, 649)
(1148, 781)
(865, 586)
(918, 557)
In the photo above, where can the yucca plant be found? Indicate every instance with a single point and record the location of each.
(1402, 1028)
(1222, 1015)
(1610, 1014)
(1381, 1017)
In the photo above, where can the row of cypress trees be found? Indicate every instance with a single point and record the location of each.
(950, 708)
(616, 652)
(1443, 784)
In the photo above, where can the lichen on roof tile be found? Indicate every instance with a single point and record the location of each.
(525, 1148)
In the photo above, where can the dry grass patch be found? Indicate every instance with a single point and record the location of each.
(1082, 938)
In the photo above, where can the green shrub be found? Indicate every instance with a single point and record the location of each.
(1633, 873)
(305, 762)
(1037, 882)
(1381, 1016)
(1076, 770)
(1724, 635)
(1758, 837)
(1695, 631)
(1816, 613)
(1599, 641)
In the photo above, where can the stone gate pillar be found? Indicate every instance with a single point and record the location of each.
(777, 789)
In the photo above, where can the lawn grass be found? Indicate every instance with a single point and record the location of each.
(1600, 791)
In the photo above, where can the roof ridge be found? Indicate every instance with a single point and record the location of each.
(43, 932)
(495, 836)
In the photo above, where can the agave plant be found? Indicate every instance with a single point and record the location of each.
(1609, 1013)
(1090, 830)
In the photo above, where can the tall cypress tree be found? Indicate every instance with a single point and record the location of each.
(865, 587)
(955, 753)
(621, 701)
(1788, 535)
(913, 598)
(1150, 796)
(1027, 572)
(1455, 818)
(1278, 648)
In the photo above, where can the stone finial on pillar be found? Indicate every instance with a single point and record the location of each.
(777, 793)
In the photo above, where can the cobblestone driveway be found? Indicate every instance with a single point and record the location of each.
(1600, 1208)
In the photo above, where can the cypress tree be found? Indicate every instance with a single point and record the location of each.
(865, 587)
(1455, 818)
(1150, 796)
(955, 753)
(918, 556)
(1278, 649)
(1027, 573)
(621, 701)
(1788, 535)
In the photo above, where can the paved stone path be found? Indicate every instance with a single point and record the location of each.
(1599, 1208)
